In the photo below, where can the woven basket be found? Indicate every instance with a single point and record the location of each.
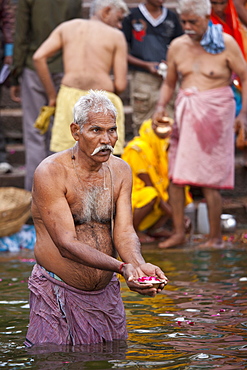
(15, 205)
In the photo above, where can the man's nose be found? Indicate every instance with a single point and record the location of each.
(105, 138)
(186, 25)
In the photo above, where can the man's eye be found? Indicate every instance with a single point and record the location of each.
(113, 129)
(191, 22)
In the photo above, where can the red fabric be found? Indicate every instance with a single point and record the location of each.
(62, 314)
(232, 24)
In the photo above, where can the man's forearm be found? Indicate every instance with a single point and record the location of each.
(88, 256)
(45, 77)
(165, 96)
(151, 67)
(138, 62)
(129, 249)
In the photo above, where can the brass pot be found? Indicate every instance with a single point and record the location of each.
(164, 125)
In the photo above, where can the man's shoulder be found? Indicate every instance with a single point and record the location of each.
(180, 41)
(51, 164)
(102, 27)
(73, 22)
(230, 43)
(120, 170)
(119, 164)
(228, 38)
(112, 35)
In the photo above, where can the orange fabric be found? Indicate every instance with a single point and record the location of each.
(243, 30)
(244, 36)
(231, 25)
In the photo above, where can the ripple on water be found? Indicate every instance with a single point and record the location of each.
(198, 322)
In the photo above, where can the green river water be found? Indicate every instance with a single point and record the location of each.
(198, 322)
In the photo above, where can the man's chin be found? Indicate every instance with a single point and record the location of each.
(192, 35)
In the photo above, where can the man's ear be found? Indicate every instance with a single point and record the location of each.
(75, 130)
(105, 12)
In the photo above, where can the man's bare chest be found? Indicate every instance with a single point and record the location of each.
(204, 64)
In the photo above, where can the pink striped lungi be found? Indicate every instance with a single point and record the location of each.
(202, 143)
(62, 314)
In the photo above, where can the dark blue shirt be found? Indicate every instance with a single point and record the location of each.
(147, 41)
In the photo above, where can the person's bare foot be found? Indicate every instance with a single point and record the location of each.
(160, 233)
(144, 238)
(213, 243)
(173, 241)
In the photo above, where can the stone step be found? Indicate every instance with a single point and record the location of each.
(16, 178)
(238, 207)
(11, 120)
(16, 154)
(6, 101)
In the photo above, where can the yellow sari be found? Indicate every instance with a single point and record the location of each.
(147, 153)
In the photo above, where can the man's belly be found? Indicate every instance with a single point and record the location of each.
(74, 273)
(202, 83)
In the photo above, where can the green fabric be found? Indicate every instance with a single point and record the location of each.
(35, 20)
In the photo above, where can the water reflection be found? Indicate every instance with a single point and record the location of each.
(198, 322)
(202, 310)
(62, 357)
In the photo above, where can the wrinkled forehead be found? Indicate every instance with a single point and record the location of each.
(102, 118)
(194, 20)
(190, 15)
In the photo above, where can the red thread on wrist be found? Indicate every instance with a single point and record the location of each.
(121, 268)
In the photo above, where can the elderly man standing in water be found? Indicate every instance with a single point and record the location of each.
(82, 215)
(202, 143)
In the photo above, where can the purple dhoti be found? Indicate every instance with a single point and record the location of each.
(202, 143)
(62, 314)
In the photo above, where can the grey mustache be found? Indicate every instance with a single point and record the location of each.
(102, 147)
(189, 32)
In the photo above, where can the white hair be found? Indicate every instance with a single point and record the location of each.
(200, 8)
(96, 101)
(100, 4)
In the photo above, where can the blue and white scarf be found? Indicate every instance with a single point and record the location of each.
(213, 41)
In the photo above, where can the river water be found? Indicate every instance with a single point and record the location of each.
(198, 322)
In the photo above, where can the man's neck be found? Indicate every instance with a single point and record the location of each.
(96, 18)
(86, 164)
(155, 11)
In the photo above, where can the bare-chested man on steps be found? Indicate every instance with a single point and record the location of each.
(92, 50)
(83, 220)
(202, 143)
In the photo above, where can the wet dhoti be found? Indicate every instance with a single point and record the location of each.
(62, 314)
(202, 144)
